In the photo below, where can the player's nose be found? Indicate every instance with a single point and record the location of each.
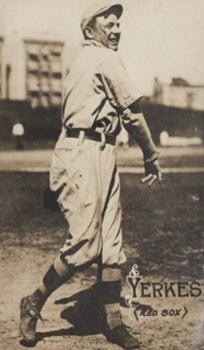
(116, 30)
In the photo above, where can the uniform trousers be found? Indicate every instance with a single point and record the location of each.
(84, 174)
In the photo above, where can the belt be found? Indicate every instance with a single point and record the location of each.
(91, 135)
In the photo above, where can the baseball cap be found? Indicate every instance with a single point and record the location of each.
(99, 9)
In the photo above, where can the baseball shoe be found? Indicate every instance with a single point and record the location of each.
(120, 336)
(30, 307)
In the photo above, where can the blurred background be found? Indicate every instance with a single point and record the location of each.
(162, 46)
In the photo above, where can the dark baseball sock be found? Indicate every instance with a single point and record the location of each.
(110, 289)
(51, 281)
(110, 298)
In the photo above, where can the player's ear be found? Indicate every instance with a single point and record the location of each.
(89, 33)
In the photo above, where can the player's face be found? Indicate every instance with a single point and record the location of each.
(107, 31)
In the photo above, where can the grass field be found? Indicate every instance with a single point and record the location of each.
(163, 226)
(177, 157)
(163, 233)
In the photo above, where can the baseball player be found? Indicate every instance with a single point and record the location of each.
(98, 97)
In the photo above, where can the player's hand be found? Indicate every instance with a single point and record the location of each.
(152, 173)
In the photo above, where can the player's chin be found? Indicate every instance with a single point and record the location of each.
(113, 45)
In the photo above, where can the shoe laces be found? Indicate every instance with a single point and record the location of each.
(33, 310)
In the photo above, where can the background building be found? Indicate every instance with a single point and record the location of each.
(39, 40)
(180, 94)
(31, 69)
(0, 67)
(43, 77)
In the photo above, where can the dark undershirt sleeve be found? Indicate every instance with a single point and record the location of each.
(137, 127)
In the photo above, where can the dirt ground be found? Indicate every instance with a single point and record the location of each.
(163, 234)
(70, 315)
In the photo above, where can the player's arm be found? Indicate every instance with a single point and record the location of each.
(134, 122)
(126, 98)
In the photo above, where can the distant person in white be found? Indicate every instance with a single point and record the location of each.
(18, 133)
(167, 140)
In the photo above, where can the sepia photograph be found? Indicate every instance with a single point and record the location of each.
(102, 174)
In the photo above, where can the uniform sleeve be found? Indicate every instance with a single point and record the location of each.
(122, 94)
(119, 87)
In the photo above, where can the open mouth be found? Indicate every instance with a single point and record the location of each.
(114, 41)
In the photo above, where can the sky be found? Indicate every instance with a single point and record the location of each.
(160, 38)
